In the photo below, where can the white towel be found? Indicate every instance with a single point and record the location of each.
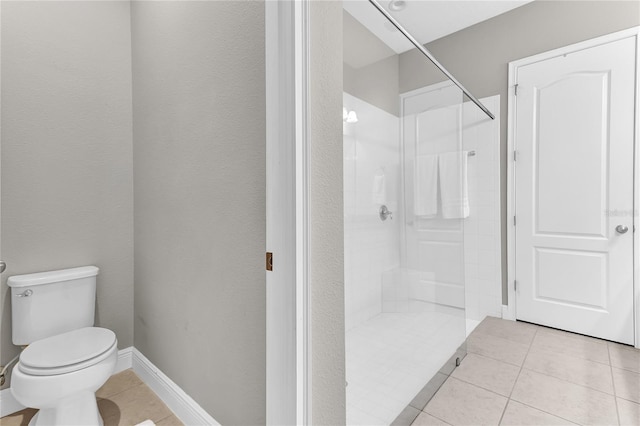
(379, 190)
(425, 189)
(453, 185)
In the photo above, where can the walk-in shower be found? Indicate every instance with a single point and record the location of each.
(421, 216)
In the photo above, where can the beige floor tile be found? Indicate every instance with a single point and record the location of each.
(117, 383)
(171, 420)
(629, 412)
(573, 402)
(517, 414)
(566, 343)
(123, 400)
(570, 368)
(425, 419)
(21, 418)
(516, 331)
(460, 403)
(497, 348)
(627, 384)
(132, 406)
(625, 357)
(488, 373)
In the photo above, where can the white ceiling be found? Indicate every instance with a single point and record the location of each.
(426, 20)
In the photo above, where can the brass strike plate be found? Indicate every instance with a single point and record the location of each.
(269, 261)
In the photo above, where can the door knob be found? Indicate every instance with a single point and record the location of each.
(622, 229)
(3, 266)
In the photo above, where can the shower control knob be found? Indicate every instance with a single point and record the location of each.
(384, 213)
(622, 229)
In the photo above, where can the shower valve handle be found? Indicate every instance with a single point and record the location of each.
(384, 213)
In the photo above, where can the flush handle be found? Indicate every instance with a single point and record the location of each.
(25, 293)
(622, 229)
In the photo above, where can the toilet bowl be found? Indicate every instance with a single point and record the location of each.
(59, 375)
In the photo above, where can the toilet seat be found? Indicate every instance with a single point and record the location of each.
(68, 352)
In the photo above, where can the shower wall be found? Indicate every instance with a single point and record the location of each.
(386, 268)
(433, 244)
(371, 179)
(482, 231)
(448, 262)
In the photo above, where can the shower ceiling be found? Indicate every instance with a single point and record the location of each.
(427, 20)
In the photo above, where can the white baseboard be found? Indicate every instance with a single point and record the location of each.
(125, 360)
(508, 313)
(182, 405)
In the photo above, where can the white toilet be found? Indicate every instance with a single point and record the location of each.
(67, 359)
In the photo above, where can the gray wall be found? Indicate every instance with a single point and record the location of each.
(67, 186)
(326, 216)
(199, 158)
(371, 68)
(376, 83)
(479, 55)
(199, 161)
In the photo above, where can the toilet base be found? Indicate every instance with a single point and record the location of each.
(80, 409)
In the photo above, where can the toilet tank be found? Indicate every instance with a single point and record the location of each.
(48, 303)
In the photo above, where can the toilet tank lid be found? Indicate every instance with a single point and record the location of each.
(49, 277)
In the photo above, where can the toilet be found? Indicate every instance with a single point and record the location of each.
(67, 359)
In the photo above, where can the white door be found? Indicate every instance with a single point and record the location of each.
(574, 139)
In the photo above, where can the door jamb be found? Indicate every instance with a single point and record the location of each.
(288, 339)
(510, 311)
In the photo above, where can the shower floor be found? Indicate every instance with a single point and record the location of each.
(390, 358)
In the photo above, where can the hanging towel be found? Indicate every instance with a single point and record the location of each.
(453, 185)
(379, 190)
(425, 189)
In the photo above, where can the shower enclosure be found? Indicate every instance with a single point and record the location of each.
(413, 157)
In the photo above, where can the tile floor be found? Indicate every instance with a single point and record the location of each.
(522, 374)
(390, 357)
(514, 374)
(123, 401)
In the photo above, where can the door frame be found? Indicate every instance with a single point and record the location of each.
(288, 323)
(510, 311)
